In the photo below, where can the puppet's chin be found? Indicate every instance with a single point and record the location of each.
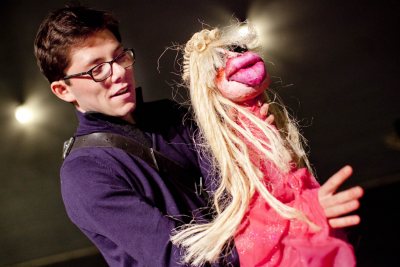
(239, 92)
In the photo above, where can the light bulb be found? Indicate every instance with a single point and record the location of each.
(23, 114)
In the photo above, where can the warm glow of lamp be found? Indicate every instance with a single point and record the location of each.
(23, 114)
(243, 30)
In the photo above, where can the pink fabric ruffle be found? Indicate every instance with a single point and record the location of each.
(267, 239)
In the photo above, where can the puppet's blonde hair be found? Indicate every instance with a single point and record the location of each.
(238, 177)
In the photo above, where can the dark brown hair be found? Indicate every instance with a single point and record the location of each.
(64, 29)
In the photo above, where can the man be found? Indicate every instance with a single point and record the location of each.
(123, 203)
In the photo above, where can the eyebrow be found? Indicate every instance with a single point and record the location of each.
(100, 60)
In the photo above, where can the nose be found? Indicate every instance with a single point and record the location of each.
(118, 72)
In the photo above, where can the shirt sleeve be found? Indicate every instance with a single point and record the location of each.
(98, 199)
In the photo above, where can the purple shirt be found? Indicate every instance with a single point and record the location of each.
(125, 207)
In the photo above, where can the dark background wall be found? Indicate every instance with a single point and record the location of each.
(335, 65)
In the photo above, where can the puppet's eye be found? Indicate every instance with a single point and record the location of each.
(238, 49)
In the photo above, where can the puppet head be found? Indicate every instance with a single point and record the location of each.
(224, 64)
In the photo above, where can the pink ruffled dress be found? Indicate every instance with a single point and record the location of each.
(266, 239)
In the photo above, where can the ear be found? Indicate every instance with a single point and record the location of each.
(62, 91)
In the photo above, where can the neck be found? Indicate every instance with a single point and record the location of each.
(129, 118)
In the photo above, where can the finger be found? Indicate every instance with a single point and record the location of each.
(344, 221)
(353, 193)
(335, 181)
(264, 109)
(342, 209)
(270, 119)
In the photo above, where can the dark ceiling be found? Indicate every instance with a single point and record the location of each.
(335, 65)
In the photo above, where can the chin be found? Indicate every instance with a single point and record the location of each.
(239, 92)
(246, 95)
(131, 108)
(125, 110)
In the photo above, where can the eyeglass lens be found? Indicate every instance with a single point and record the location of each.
(103, 71)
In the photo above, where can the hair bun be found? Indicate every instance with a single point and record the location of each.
(200, 40)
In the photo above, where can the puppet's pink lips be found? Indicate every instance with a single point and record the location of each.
(247, 68)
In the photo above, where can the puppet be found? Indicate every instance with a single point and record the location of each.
(266, 200)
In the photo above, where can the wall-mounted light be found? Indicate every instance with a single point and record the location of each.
(243, 30)
(24, 114)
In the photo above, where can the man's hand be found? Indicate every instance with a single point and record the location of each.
(337, 205)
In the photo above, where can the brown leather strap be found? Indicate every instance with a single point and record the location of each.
(182, 176)
(111, 140)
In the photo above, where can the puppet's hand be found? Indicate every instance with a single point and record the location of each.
(337, 205)
(264, 112)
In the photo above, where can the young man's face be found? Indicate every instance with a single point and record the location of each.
(115, 96)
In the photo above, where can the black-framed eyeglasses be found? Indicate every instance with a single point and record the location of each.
(104, 70)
